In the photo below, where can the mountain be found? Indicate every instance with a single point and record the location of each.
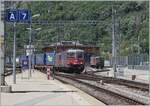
(84, 21)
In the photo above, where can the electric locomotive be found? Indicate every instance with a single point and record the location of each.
(71, 60)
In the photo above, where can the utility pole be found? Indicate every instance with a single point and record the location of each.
(14, 51)
(14, 55)
(113, 42)
(30, 37)
(149, 53)
(30, 40)
(149, 57)
(137, 26)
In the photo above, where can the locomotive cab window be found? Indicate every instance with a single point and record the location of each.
(79, 55)
(98, 59)
(70, 55)
(59, 57)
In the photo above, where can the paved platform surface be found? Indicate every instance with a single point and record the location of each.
(38, 91)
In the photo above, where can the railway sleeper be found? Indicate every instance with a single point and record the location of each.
(97, 92)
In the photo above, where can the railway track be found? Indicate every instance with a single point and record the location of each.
(104, 94)
(129, 83)
(9, 71)
(111, 80)
(111, 96)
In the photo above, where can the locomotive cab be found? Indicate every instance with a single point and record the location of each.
(75, 60)
(75, 57)
(71, 60)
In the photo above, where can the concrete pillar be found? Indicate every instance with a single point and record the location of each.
(2, 81)
(3, 87)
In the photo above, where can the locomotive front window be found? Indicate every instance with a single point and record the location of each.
(70, 54)
(79, 55)
(98, 59)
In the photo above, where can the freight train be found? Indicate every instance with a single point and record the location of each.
(70, 61)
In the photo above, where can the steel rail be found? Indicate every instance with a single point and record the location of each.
(104, 95)
(128, 83)
(9, 71)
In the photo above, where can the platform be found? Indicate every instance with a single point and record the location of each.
(38, 91)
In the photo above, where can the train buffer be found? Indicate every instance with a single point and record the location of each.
(37, 90)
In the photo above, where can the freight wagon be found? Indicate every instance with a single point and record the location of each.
(43, 60)
(97, 62)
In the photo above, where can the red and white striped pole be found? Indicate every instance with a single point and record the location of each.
(48, 72)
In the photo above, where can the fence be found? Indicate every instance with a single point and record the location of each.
(120, 60)
(135, 61)
(138, 67)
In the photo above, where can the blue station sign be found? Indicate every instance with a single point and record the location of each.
(18, 15)
(24, 15)
(12, 15)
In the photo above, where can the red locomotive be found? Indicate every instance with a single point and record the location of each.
(71, 60)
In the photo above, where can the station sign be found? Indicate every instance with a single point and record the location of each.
(29, 49)
(24, 15)
(18, 15)
(25, 64)
(12, 15)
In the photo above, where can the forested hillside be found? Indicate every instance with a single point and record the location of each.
(85, 21)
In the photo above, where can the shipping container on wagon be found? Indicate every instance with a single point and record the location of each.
(22, 57)
(33, 59)
(87, 57)
(50, 58)
(39, 59)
